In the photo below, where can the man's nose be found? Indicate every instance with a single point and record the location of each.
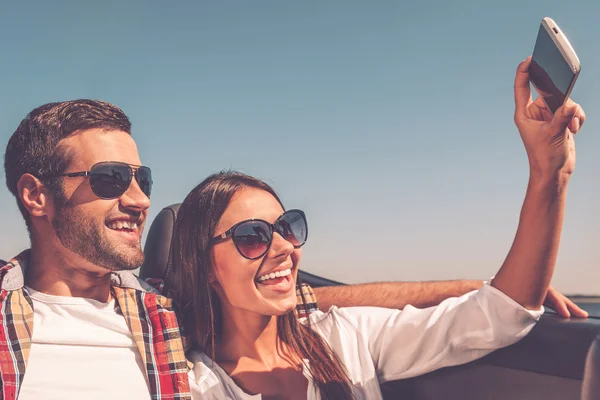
(134, 197)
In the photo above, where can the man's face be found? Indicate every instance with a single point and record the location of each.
(103, 233)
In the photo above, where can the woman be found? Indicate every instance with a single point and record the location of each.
(236, 253)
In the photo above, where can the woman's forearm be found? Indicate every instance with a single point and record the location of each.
(526, 273)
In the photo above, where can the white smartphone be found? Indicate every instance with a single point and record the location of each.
(555, 66)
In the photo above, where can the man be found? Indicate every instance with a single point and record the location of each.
(74, 321)
(71, 312)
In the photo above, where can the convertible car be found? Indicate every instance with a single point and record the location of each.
(558, 360)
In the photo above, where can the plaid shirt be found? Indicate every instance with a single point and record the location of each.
(149, 315)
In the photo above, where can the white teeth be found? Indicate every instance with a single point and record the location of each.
(274, 275)
(123, 224)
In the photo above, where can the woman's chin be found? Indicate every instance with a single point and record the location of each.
(282, 307)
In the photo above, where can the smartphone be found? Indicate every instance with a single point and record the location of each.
(554, 67)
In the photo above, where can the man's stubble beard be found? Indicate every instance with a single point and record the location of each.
(86, 239)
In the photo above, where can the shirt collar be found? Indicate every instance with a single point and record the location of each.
(12, 276)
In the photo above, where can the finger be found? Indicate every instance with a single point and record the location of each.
(522, 88)
(560, 306)
(563, 117)
(575, 310)
(574, 125)
(578, 119)
(555, 301)
(543, 108)
(539, 102)
(581, 115)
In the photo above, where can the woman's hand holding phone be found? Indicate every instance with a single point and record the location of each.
(548, 138)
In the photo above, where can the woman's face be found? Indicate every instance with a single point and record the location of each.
(240, 282)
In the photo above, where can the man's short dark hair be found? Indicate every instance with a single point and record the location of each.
(33, 148)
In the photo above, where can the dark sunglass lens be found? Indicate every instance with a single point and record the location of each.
(252, 238)
(293, 228)
(144, 179)
(110, 180)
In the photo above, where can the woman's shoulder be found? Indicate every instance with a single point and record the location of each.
(204, 368)
(207, 379)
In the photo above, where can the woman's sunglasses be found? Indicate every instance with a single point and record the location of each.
(253, 237)
(110, 179)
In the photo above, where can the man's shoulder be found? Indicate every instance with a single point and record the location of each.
(12, 272)
(6, 266)
(128, 280)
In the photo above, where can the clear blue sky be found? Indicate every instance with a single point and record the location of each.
(389, 122)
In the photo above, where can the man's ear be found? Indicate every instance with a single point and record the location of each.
(33, 195)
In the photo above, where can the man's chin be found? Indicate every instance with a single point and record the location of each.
(125, 261)
(126, 267)
(130, 264)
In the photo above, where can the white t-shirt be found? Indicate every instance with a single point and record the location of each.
(377, 345)
(81, 349)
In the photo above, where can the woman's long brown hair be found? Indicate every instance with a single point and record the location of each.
(199, 304)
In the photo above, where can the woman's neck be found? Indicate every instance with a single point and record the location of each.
(251, 354)
(248, 335)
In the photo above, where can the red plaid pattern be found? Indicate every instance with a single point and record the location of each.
(149, 315)
(150, 318)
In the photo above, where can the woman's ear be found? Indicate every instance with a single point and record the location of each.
(212, 276)
(212, 279)
(33, 195)
(215, 284)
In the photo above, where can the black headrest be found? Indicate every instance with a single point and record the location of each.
(158, 244)
(591, 376)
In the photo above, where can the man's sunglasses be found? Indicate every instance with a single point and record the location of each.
(253, 237)
(110, 179)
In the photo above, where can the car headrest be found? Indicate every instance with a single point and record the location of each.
(591, 377)
(158, 244)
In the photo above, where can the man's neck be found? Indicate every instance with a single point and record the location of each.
(52, 272)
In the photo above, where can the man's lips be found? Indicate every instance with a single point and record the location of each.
(123, 224)
(127, 228)
(126, 221)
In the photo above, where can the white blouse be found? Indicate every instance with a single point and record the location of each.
(377, 345)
